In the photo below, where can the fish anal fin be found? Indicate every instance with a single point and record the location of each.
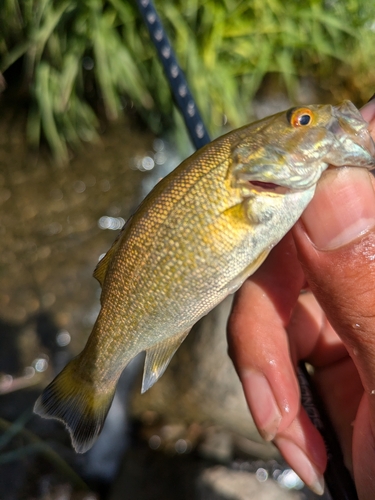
(102, 266)
(74, 402)
(158, 358)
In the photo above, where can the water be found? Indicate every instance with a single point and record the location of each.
(51, 237)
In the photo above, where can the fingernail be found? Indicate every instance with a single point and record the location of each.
(301, 464)
(342, 209)
(368, 110)
(262, 403)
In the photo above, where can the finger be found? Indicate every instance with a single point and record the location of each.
(258, 343)
(260, 349)
(311, 336)
(313, 339)
(368, 113)
(303, 448)
(363, 452)
(336, 246)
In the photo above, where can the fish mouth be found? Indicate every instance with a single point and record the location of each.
(268, 187)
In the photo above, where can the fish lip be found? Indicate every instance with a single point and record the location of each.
(350, 123)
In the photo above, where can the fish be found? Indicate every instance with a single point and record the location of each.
(199, 234)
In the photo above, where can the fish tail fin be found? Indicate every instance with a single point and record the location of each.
(72, 399)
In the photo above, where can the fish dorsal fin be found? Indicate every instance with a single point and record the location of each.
(158, 358)
(102, 266)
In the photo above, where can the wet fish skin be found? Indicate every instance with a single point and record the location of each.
(194, 239)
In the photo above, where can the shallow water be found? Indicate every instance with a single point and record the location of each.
(55, 223)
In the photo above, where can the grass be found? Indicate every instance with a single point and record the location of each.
(80, 59)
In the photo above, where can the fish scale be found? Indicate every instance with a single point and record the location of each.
(194, 239)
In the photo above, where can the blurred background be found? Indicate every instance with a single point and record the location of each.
(87, 127)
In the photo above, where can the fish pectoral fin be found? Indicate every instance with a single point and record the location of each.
(236, 214)
(235, 284)
(158, 358)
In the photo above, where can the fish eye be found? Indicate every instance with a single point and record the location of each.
(304, 119)
(300, 117)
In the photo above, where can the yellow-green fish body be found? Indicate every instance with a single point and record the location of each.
(195, 238)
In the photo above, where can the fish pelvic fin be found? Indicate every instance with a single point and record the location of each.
(235, 284)
(72, 400)
(158, 358)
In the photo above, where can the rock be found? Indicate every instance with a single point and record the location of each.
(220, 483)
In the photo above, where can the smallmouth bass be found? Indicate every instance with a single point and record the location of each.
(195, 238)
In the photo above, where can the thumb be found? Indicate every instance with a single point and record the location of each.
(335, 240)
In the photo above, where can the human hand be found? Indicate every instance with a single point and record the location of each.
(273, 326)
